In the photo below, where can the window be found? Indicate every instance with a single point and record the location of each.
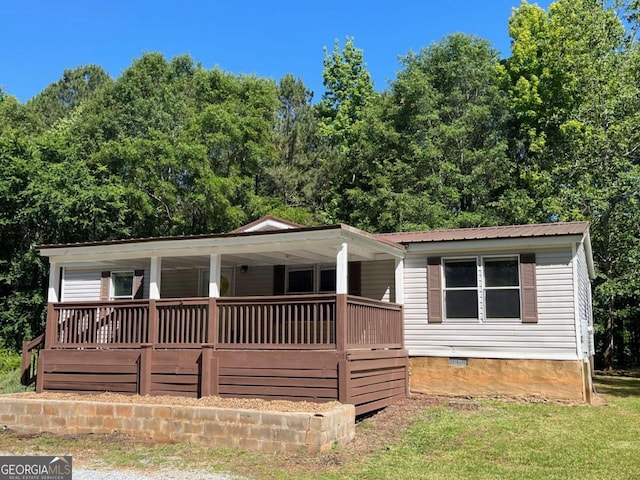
(227, 283)
(122, 285)
(461, 289)
(300, 280)
(311, 279)
(501, 288)
(327, 280)
(492, 288)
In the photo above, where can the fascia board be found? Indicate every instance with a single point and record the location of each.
(281, 241)
(373, 245)
(589, 254)
(189, 247)
(470, 246)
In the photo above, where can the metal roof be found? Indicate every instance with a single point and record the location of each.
(482, 233)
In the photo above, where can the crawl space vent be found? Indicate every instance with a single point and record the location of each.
(458, 362)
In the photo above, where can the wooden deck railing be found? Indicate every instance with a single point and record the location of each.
(303, 321)
(373, 324)
(98, 324)
(314, 322)
(29, 364)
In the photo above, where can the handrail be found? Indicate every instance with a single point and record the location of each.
(29, 364)
(263, 322)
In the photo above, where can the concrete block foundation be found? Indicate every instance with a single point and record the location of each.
(216, 427)
(557, 379)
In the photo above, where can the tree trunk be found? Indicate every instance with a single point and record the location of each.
(608, 335)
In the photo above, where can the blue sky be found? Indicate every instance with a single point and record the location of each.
(39, 39)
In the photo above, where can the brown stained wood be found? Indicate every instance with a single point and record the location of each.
(40, 371)
(375, 379)
(341, 322)
(344, 377)
(145, 367)
(176, 357)
(273, 347)
(249, 347)
(92, 377)
(372, 373)
(378, 388)
(374, 396)
(205, 380)
(175, 369)
(92, 357)
(277, 359)
(173, 393)
(283, 392)
(278, 372)
(377, 405)
(378, 364)
(280, 397)
(275, 381)
(153, 322)
(175, 379)
(75, 368)
(355, 355)
(215, 376)
(94, 386)
(174, 387)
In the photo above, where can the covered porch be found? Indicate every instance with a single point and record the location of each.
(288, 313)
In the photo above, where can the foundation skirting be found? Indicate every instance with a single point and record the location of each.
(557, 379)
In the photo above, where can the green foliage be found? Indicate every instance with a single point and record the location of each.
(8, 360)
(458, 139)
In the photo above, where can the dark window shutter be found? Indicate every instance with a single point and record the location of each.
(138, 283)
(105, 285)
(279, 272)
(434, 289)
(528, 288)
(355, 278)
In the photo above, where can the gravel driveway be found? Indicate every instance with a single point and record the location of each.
(83, 474)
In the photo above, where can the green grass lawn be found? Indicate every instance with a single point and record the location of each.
(497, 440)
(520, 441)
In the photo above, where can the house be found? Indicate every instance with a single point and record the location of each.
(500, 310)
(280, 310)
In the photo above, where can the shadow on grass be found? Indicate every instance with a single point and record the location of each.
(618, 386)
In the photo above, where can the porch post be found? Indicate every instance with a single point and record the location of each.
(214, 275)
(155, 274)
(342, 267)
(53, 293)
(400, 280)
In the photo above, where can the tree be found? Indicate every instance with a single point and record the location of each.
(349, 91)
(60, 98)
(574, 94)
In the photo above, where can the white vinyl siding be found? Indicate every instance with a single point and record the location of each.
(80, 285)
(179, 283)
(552, 337)
(255, 281)
(378, 280)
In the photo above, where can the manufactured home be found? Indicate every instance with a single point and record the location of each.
(284, 311)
